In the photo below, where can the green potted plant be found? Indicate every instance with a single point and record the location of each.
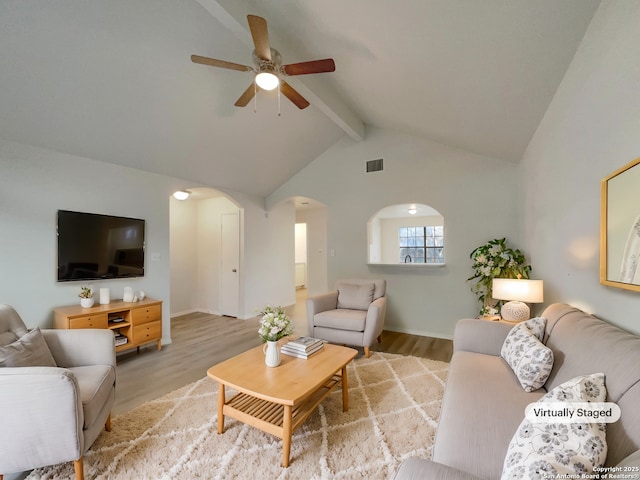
(495, 259)
(86, 297)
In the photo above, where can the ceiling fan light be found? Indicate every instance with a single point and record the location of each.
(267, 80)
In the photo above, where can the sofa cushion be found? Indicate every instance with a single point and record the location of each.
(529, 359)
(30, 350)
(552, 449)
(95, 383)
(355, 297)
(341, 319)
(482, 408)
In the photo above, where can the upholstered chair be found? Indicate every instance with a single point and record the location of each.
(58, 387)
(352, 314)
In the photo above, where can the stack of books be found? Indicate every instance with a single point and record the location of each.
(302, 347)
(121, 339)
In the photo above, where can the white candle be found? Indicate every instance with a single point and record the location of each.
(104, 296)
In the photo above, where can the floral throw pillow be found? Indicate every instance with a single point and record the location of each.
(547, 450)
(529, 359)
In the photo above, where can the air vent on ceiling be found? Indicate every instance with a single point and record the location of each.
(374, 165)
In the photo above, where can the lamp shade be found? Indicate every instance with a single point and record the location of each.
(529, 291)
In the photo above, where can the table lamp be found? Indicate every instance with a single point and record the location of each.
(518, 291)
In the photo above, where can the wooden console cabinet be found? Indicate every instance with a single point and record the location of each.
(141, 322)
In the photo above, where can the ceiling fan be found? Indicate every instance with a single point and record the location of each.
(268, 68)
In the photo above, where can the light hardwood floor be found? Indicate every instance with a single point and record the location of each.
(200, 340)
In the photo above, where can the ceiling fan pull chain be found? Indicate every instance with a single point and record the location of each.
(255, 98)
(278, 98)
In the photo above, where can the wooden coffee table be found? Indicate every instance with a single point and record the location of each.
(277, 400)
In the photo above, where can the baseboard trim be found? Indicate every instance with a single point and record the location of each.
(421, 333)
(194, 310)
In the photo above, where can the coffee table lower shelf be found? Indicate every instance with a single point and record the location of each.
(274, 418)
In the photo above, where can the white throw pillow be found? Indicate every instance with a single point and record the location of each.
(529, 359)
(355, 297)
(546, 450)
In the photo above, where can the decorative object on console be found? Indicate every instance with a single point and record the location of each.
(518, 291)
(105, 296)
(86, 297)
(495, 260)
(127, 296)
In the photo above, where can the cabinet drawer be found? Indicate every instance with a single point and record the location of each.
(90, 321)
(147, 332)
(152, 313)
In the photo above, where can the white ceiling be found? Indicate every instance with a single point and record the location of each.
(112, 79)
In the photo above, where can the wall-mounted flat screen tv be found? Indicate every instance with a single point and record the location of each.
(94, 247)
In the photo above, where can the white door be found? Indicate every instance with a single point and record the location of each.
(230, 265)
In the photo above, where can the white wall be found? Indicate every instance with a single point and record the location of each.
(184, 256)
(34, 185)
(590, 130)
(478, 197)
(269, 266)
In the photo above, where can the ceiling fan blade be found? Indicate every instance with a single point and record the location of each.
(246, 97)
(260, 34)
(220, 63)
(297, 99)
(314, 66)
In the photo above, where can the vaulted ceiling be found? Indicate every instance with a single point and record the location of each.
(112, 80)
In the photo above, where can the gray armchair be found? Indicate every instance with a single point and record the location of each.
(352, 314)
(57, 387)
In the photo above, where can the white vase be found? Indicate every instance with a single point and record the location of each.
(86, 302)
(271, 354)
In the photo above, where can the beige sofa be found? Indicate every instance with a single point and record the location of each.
(484, 403)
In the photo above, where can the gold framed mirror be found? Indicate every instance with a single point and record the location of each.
(620, 228)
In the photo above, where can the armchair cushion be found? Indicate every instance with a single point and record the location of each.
(342, 319)
(30, 350)
(96, 384)
(355, 297)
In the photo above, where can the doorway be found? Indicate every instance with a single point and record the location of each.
(198, 282)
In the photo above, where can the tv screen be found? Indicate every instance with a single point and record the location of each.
(92, 246)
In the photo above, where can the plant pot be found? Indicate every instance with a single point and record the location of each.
(86, 302)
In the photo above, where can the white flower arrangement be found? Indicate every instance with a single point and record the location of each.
(274, 325)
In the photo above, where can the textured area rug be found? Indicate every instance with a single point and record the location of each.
(394, 405)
